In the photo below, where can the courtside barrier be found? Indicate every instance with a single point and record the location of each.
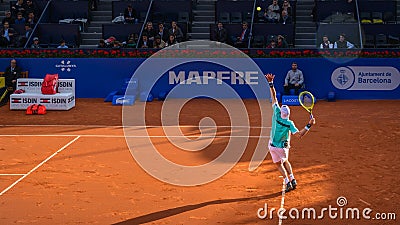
(360, 78)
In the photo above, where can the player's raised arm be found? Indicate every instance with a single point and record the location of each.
(304, 131)
(270, 78)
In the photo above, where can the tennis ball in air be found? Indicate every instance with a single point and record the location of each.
(258, 8)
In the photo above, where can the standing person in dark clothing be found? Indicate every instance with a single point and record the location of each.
(12, 73)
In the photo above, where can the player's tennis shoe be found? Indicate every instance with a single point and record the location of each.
(289, 187)
(294, 183)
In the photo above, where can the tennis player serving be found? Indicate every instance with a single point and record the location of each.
(279, 143)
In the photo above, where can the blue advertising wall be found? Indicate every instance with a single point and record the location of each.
(95, 78)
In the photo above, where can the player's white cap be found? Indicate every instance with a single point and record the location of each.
(285, 112)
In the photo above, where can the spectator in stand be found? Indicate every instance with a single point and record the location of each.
(272, 44)
(325, 42)
(31, 19)
(24, 37)
(286, 6)
(31, 7)
(131, 42)
(342, 42)
(116, 45)
(133, 39)
(162, 32)
(285, 18)
(294, 80)
(171, 40)
(282, 42)
(158, 42)
(19, 6)
(8, 18)
(149, 31)
(243, 38)
(7, 35)
(130, 15)
(101, 44)
(62, 44)
(272, 13)
(176, 31)
(110, 41)
(145, 42)
(35, 43)
(12, 73)
(220, 34)
(20, 19)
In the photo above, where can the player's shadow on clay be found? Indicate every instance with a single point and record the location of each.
(178, 210)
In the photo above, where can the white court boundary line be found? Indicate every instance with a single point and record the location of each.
(128, 136)
(146, 126)
(282, 200)
(12, 174)
(39, 165)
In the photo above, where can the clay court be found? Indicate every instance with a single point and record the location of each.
(75, 167)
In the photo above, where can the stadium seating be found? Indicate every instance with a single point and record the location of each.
(379, 32)
(334, 30)
(161, 11)
(51, 34)
(236, 17)
(224, 17)
(326, 9)
(388, 17)
(119, 7)
(379, 7)
(385, 35)
(262, 30)
(259, 41)
(19, 28)
(369, 41)
(60, 10)
(120, 31)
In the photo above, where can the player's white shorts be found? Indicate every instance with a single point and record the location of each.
(278, 154)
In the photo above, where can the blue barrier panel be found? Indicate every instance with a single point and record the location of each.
(191, 79)
(162, 96)
(124, 99)
(95, 78)
(290, 100)
(331, 96)
(348, 78)
(362, 78)
(110, 96)
(146, 97)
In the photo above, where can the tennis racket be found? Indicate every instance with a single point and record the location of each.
(4, 95)
(307, 100)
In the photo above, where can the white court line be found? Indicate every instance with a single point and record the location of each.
(364, 202)
(12, 174)
(39, 165)
(282, 200)
(61, 125)
(128, 136)
(146, 126)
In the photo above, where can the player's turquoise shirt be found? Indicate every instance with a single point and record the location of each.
(280, 127)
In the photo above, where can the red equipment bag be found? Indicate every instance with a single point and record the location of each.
(36, 109)
(50, 84)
